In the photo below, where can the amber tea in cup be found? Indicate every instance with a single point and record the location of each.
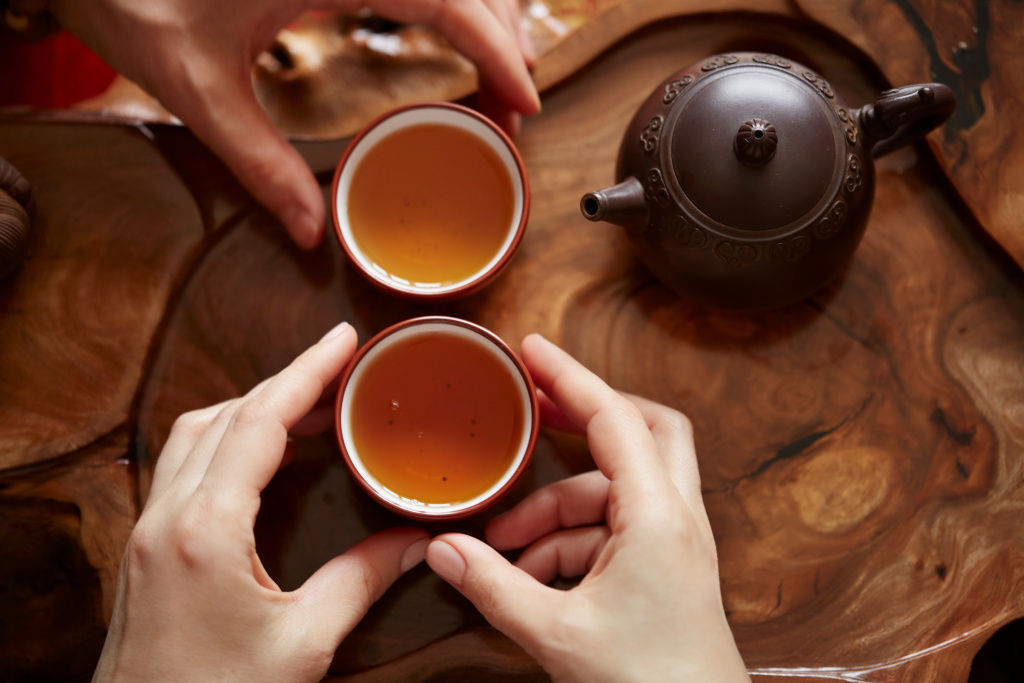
(436, 417)
(430, 201)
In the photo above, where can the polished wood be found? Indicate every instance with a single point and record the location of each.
(964, 44)
(77, 321)
(323, 79)
(62, 530)
(861, 451)
(970, 47)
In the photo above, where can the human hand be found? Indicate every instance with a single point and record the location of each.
(649, 607)
(195, 58)
(194, 601)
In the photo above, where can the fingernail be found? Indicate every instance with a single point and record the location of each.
(447, 562)
(334, 332)
(414, 554)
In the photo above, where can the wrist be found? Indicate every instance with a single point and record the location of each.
(676, 654)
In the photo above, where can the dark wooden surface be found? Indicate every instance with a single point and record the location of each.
(860, 451)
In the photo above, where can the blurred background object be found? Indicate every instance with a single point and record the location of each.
(14, 219)
(324, 76)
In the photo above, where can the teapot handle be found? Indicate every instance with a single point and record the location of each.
(901, 115)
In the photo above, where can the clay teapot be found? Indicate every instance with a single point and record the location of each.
(744, 182)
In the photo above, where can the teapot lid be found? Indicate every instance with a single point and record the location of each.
(755, 147)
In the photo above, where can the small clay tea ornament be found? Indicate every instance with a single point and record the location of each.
(14, 220)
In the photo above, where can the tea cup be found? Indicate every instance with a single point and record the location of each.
(430, 201)
(436, 417)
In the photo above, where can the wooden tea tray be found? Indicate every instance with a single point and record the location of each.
(861, 451)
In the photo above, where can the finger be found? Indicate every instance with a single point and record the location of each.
(475, 32)
(339, 594)
(192, 468)
(319, 420)
(568, 503)
(671, 430)
(508, 13)
(620, 442)
(321, 417)
(250, 451)
(567, 553)
(674, 435)
(185, 433)
(224, 115)
(552, 416)
(491, 105)
(193, 465)
(527, 46)
(509, 598)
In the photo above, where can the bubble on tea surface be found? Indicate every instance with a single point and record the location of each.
(394, 404)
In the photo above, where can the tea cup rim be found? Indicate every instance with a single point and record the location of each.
(481, 278)
(441, 512)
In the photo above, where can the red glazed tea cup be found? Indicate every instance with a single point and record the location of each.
(436, 418)
(371, 217)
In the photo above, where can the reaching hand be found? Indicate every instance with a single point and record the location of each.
(194, 601)
(195, 57)
(649, 607)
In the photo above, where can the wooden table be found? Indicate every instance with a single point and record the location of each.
(861, 451)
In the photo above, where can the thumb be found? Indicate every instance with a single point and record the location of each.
(510, 599)
(229, 121)
(339, 594)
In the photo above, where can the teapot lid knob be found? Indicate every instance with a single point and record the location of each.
(756, 142)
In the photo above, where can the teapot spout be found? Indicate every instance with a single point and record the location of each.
(622, 204)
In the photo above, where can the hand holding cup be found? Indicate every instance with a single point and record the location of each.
(649, 605)
(194, 601)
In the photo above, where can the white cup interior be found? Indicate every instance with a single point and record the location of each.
(414, 117)
(484, 342)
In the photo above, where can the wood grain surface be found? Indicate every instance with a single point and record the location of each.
(65, 381)
(322, 80)
(860, 451)
(969, 46)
